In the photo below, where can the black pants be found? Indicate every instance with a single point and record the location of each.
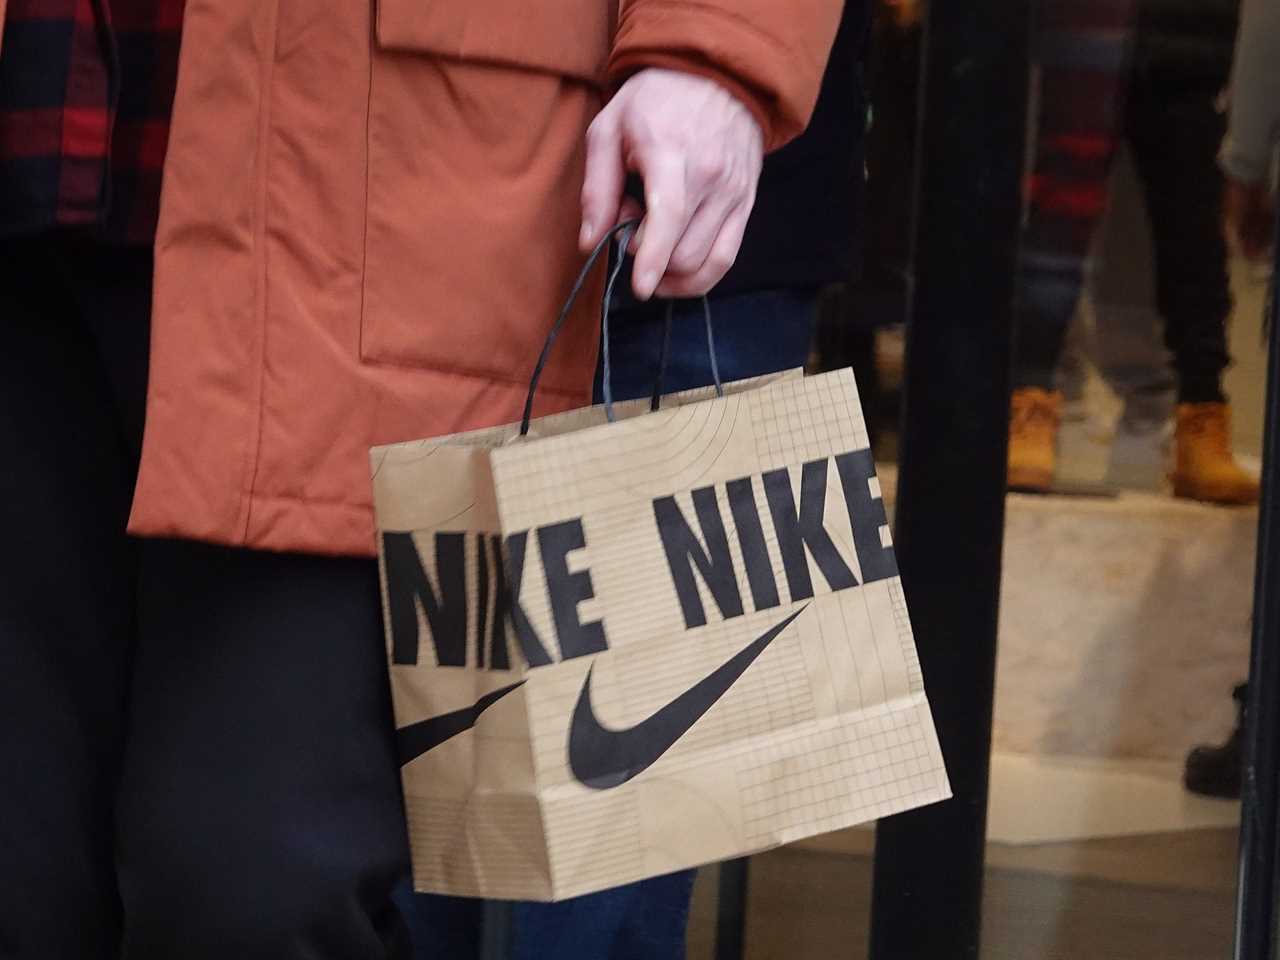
(195, 743)
(1158, 90)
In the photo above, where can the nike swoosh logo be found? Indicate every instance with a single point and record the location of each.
(417, 738)
(602, 759)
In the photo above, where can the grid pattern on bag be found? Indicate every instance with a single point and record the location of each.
(842, 653)
(610, 477)
(801, 758)
(825, 728)
(786, 424)
(479, 846)
(625, 567)
(773, 695)
(597, 838)
(796, 426)
(860, 770)
(585, 473)
(872, 753)
(902, 620)
(407, 458)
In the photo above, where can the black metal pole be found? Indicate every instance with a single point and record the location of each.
(927, 897)
(731, 910)
(1256, 897)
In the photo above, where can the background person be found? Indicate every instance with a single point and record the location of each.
(1151, 71)
(1248, 160)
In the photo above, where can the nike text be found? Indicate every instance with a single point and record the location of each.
(465, 590)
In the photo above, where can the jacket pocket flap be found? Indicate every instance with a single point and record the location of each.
(566, 37)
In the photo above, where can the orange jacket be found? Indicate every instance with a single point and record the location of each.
(369, 220)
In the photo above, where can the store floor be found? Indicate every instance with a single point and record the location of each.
(1129, 898)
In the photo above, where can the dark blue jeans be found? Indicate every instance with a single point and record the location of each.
(756, 333)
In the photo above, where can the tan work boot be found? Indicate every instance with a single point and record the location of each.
(1205, 468)
(1034, 415)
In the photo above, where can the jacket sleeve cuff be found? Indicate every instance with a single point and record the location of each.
(776, 83)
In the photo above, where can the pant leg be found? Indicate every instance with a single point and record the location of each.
(114, 297)
(1083, 52)
(639, 921)
(260, 812)
(1128, 332)
(1176, 129)
(441, 926)
(755, 334)
(66, 592)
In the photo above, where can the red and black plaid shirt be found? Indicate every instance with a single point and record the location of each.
(86, 87)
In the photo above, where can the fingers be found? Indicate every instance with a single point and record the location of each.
(721, 185)
(699, 237)
(667, 214)
(604, 180)
(696, 216)
(720, 258)
(632, 209)
(698, 152)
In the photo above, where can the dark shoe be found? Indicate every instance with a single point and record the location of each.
(1215, 771)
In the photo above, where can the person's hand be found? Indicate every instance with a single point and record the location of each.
(1250, 214)
(699, 152)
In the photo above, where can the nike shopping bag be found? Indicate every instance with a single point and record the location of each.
(618, 649)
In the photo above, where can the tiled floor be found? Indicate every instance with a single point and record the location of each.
(1166, 896)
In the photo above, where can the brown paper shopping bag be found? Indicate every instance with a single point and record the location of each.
(618, 649)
